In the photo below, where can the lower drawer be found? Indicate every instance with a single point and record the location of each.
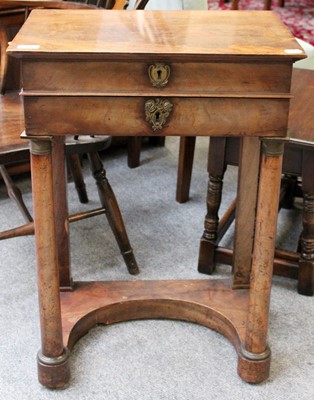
(126, 116)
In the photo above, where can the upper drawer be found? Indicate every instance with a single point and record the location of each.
(185, 79)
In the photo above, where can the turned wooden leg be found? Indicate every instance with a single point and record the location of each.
(52, 359)
(216, 169)
(185, 167)
(306, 262)
(254, 360)
(109, 202)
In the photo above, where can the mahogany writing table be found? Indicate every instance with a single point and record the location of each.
(196, 73)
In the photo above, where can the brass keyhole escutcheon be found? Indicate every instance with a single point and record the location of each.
(159, 74)
(157, 112)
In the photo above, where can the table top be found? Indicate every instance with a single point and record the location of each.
(181, 34)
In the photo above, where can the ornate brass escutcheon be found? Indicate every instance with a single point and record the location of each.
(157, 111)
(159, 74)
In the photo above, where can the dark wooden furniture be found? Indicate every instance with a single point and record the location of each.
(15, 151)
(267, 4)
(172, 73)
(298, 162)
(13, 14)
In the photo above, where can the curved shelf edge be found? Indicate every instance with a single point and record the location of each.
(210, 303)
(154, 309)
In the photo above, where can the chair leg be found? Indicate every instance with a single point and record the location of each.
(185, 166)
(306, 262)
(235, 5)
(15, 194)
(134, 151)
(216, 170)
(109, 202)
(288, 191)
(267, 4)
(74, 164)
(135, 145)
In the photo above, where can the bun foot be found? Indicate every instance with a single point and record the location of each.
(54, 372)
(254, 369)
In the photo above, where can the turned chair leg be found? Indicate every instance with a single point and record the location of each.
(109, 202)
(306, 262)
(216, 170)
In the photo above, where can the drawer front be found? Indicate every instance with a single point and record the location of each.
(123, 78)
(126, 116)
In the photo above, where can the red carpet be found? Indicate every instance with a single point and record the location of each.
(297, 15)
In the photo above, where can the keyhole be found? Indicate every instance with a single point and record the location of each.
(157, 117)
(159, 72)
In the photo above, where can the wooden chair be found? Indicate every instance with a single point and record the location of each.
(298, 178)
(14, 150)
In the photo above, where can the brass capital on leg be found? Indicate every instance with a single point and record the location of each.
(273, 147)
(40, 145)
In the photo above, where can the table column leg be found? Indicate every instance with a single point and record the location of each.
(246, 210)
(61, 207)
(52, 359)
(254, 359)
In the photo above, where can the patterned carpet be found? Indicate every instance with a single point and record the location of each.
(297, 15)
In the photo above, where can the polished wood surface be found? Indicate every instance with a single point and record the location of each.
(107, 88)
(185, 41)
(138, 35)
